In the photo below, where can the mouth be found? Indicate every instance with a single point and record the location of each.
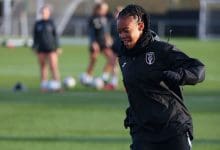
(126, 41)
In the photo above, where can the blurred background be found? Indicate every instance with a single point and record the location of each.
(83, 118)
(189, 18)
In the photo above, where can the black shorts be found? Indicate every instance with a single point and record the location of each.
(101, 43)
(180, 142)
(46, 50)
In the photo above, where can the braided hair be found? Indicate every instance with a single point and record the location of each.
(138, 13)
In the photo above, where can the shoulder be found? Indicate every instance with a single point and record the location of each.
(91, 21)
(91, 18)
(162, 49)
(162, 46)
(38, 25)
(37, 22)
(50, 21)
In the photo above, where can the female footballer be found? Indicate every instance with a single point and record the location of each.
(153, 72)
(45, 43)
(100, 41)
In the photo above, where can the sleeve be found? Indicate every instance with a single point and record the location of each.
(91, 30)
(35, 38)
(56, 38)
(107, 26)
(183, 70)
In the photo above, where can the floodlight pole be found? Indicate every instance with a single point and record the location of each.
(202, 19)
(24, 20)
(39, 5)
(7, 17)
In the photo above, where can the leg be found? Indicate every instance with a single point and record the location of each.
(42, 60)
(108, 68)
(114, 63)
(53, 62)
(95, 50)
(113, 84)
(110, 60)
(114, 80)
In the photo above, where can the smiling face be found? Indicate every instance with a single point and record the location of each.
(130, 30)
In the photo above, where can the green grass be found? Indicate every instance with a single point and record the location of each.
(85, 119)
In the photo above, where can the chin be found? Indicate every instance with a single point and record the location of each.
(129, 46)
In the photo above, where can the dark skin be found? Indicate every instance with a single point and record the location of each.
(130, 30)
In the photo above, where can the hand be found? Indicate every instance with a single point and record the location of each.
(59, 51)
(108, 40)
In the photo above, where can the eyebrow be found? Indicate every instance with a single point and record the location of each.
(124, 28)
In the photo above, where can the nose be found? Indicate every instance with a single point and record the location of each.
(122, 35)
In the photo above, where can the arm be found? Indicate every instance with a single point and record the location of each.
(56, 42)
(183, 70)
(107, 34)
(35, 39)
(91, 31)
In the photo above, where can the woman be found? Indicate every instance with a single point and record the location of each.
(100, 41)
(153, 72)
(46, 46)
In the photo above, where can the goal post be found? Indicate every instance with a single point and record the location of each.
(67, 15)
(19, 16)
(209, 19)
(63, 10)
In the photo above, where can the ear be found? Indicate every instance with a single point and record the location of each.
(140, 26)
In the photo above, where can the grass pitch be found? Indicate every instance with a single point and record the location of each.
(85, 119)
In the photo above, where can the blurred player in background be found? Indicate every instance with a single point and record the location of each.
(100, 41)
(113, 84)
(46, 46)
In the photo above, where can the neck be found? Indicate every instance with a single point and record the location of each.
(140, 46)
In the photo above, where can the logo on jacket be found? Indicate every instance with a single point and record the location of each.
(124, 64)
(150, 58)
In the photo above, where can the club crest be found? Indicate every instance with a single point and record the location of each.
(150, 58)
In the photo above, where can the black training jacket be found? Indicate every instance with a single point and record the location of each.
(98, 26)
(153, 72)
(44, 36)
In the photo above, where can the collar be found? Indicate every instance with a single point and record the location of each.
(140, 47)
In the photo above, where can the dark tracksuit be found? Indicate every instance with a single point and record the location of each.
(153, 72)
(45, 38)
(98, 27)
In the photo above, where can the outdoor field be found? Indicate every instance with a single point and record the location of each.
(86, 119)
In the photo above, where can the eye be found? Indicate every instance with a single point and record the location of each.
(126, 30)
(123, 31)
